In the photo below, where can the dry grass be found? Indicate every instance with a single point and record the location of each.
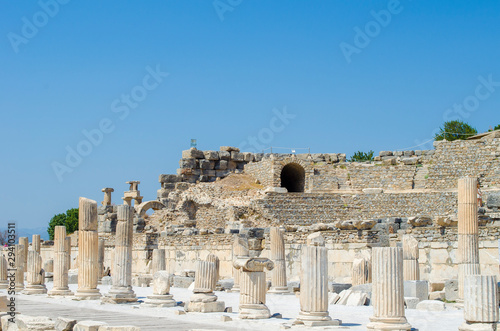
(239, 182)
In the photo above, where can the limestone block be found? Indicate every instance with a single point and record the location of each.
(119, 328)
(315, 239)
(343, 296)
(416, 288)
(192, 153)
(237, 157)
(6, 325)
(87, 215)
(169, 179)
(88, 326)
(161, 283)
(431, 305)
(183, 282)
(333, 298)
(493, 200)
(437, 295)
(211, 155)
(356, 299)
(206, 164)
(373, 190)
(229, 149)
(221, 165)
(25, 322)
(451, 289)
(384, 153)
(410, 160)
(411, 302)
(436, 286)
(187, 163)
(418, 221)
(64, 324)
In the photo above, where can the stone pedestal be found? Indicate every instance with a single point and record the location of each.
(361, 271)
(468, 238)
(4, 283)
(158, 262)
(121, 291)
(253, 287)
(278, 274)
(387, 290)
(34, 275)
(88, 267)
(161, 291)
(60, 272)
(314, 284)
(411, 270)
(19, 264)
(35, 243)
(480, 303)
(203, 299)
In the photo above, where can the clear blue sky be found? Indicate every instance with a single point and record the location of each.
(230, 63)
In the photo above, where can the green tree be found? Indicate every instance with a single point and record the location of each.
(495, 128)
(454, 130)
(69, 219)
(362, 156)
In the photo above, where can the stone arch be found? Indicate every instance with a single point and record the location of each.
(190, 208)
(142, 208)
(293, 177)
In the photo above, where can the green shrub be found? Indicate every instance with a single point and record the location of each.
(455, 130)
(361, 156)
(69, 219)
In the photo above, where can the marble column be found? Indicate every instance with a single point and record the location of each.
(314, 284)
(203, 299)
(468, 232)
(60, 272)
(411, 270)
(107, 196)
(161, 291)
(100, 258)
(387, 290)
(213, 258)
(480, 303)
(25, 242)
(19, 265)
(35, 243)
(67, 247)
(240, 249)
(158, 261)
(121, 291)
(34, 274)
(87, 251)
(4, 283)
(253, 284)
(278, 274)
(361, 271)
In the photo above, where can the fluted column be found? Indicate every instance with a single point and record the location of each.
(34, 274)
(60, 274)
(87, 250)
(468, 232)
(314, 283)
(278, 274)
(35, 243)
(19, 264)
(213, 258)
(411, 270)
(121, 291)
(100, 257)
(240, 249)
(67, 247)
(387, 290)
(4, 283)
(480, 303)
(158, 262)
(361, 271)
(25, 242)
(203, 299)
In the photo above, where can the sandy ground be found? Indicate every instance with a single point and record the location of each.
(353, 318)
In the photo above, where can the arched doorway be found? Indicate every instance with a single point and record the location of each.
(293, 177)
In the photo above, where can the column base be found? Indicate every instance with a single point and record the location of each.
(88, 294)
(61, 291)
(205, 307)
(311, 319)
(466, 326)
(156, 300)
(19, 288)
(120, 295)
(34, 289)
(279, 290)
(255, 311)
(4, 284)
(388, 323)
(234, 289)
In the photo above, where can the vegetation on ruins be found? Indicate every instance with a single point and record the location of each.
(361, 156)
(68, 219)
(455, 130)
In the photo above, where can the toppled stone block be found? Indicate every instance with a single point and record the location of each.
(179, 312)
(418, 221)
(183, 282)
(451, 290)
(364, 225)
(446, 221)
(192, 153)
(437, 295)
(373, 190)
(315, 239)
(119, 328)
(436, 286)
(142, 280)
(411, 302)
(356, 299)
(343, 296)
(64, 324)
(385, 153)
(333, 298)
(493, 200)
(408, 153)
(211, 155)
(25, 322)
(431, 305)
(88, 326)
(225, 318)
(416, 289)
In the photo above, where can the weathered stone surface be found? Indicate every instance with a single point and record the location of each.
(192, 153)
(418, 221)
(315, 239)
(88, 325)
(431, 305)
(229, 149)
(481, 299)
(373, 190)
(451, 289)
(25, 322)
(356, 299)
(119, 328)
(416, 288)
(384, 153)
(411, 302)
(183, 282)
(64, 324)
(410, 160)
(437, 295)
(493, 200)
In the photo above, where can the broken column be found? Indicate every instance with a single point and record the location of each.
(35, 275)
(278, 274)
(314, 284)
(161, 291)
(361, 271)
(4, 283)
(468, 241)
(158, 261)
(25, 242)
(121, 291)
(387, 290)
(203, 299)
(411, 270)
(87, 251)
(100, 258)
(35, 243)
(107, 196)
(19, 265)
(60, 272)
(480, 303)
(240, 249)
